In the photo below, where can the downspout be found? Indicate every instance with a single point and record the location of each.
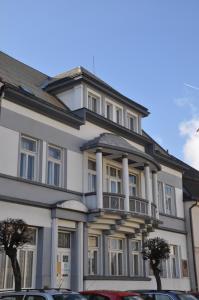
(193, 244)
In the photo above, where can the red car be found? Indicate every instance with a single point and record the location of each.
(110, 295)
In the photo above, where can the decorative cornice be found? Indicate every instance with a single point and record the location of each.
(34, 103)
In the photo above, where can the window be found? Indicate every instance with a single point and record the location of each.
(94, 103)
(166, 199)
(131, 122)
(91, 176)
(93, 255)
(27, 261)
(119, 115)
(109, 111)
(63, 239)
(136, 258)
(170, 200)
(174, 261)
(133, 188)
(113, 180)
(54, 165)
(28, 158)
(115, 256)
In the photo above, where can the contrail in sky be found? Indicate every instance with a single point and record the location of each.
(192, 86)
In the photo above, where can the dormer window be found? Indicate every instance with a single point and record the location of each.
(109, 111)
(94, 103)
(119, 115)
(131, 122)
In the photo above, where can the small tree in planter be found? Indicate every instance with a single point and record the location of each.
(14, 233)
(155, 250)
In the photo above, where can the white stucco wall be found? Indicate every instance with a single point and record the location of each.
(171, 171)
(73, 98)
(74, 171)
(34, 216)
(9, 151)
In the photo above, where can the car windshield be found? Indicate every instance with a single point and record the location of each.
(186, 297)
(68, 297)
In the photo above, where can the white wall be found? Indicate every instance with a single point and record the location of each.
(73, 98)
(9, 140)
(74, 171)
(34, 216)
(171, 171)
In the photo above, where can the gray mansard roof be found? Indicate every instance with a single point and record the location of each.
(26, 78)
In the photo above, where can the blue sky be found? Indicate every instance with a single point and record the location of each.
(148, 50)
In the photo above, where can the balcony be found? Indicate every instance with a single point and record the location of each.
(138, 206)
(113, 201)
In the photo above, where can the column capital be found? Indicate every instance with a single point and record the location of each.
(125, 155)
(154, 172)
(98, 150)
(146, 164)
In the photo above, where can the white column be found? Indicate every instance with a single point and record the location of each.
(125, 177)
(54, 245)
(99, 185)
(80, 258)
(148, 187)
(155, 192)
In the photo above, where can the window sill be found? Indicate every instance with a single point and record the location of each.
(122, 278)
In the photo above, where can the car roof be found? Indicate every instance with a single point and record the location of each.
(108, 293)
(38, 291)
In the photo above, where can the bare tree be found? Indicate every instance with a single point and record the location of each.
(155, 250)
(14, 233)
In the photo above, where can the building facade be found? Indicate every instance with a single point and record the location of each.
(78, 168)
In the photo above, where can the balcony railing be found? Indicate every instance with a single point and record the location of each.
(138, 205)
(113, 201)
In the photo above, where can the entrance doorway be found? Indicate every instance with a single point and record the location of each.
(64, 260)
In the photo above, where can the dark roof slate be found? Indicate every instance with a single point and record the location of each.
(26, 78)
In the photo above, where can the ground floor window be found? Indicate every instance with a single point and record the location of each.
(64, 259)
(136, 258)
(93, 255)
(27, 261)
(115, 254)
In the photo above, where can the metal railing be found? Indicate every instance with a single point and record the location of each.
(138, 205)
(113, 201)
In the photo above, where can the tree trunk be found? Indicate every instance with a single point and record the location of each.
(16, 270)
(158, 279)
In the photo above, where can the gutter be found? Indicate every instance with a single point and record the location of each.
(193, 244)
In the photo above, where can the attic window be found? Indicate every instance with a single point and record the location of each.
(93, 103)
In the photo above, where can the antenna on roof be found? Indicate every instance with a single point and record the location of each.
(93, 64)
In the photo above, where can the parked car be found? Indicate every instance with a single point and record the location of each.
(165, 295)
(195, 294)
(110, 295)
(41, 294)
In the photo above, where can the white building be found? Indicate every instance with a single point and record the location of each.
(78, 168)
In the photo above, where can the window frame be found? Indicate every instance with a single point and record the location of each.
(118, 253)
(163, 198)
(92, 177)
(107, 103)
(135, 122)
(113, 179)
(28, 153)
(120, 120)
(134, 185)
(94, 95)
(54, 161)
(136, 253)
(26, 250)
(91, 257)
